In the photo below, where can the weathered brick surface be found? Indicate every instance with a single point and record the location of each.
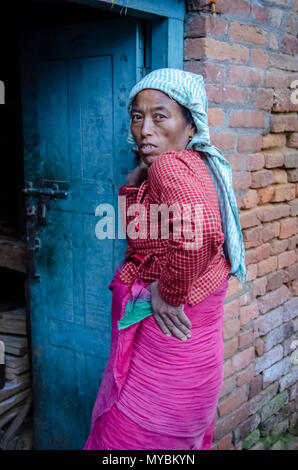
(247, 57)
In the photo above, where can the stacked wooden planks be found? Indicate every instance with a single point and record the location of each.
(13, 333)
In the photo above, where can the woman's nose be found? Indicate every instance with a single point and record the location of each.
(146, 127)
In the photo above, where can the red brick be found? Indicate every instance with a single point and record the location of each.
(264, 98)
(230, 421)
(225, 443)
(293, 175)
(232, 402)
(255, 161)
(231, 309)
(246, 118)
(288, 227)
(284, 122)
(291, 158)
(292, 140)
(267, 266)
(197, 48)
(249, 143)
(251, 272)
(229, 94)
(196, 25)
(280, 176)
(284, 192)
(273, 140)
(259, 58)
(259, 286)
(231, 328)
(259, 253)
(265, 194)
(273, 158)
(256, 385)
(282, 102)
(292, 242)
(270, 212)
(283, 61)
(246, 338)
(230, 347)
(216, 117)
(278, 246)
(249, 218)
(276, 78)
(243, 358)
(233, 287)
(275, 280)
(249, 313)
(228, 368)
(294, 287)
(241, 180)
(245, 376)
(240, 8)
(250, 199)
(286, 259)
(249, 76)
(261, 178)
(247, 33)
(270, 230)
(213, 73)
(289, 44)
(224, 141)
(294, 206)
(273, 42)
(273, 299)
(236, 161)
(292, 272)
(228, 386)
(245, 299)
(259, 13)
(256, 236)
(259, 347)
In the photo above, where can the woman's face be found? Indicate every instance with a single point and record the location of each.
(157, 120)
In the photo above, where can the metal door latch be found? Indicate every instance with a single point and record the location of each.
(36, 216)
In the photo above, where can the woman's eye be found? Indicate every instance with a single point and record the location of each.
(137, 117)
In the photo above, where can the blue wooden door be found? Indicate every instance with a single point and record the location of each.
(75, 83)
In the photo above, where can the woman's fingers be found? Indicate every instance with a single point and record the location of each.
(162, 325)
(180, 325)
(177, 329)
(184, 319)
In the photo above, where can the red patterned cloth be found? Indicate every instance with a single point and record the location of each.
(186, 276)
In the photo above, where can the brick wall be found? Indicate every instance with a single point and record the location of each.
(248, 57)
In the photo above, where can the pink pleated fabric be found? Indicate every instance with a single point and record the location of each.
(158, 392)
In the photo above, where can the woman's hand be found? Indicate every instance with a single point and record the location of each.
(170, 319)
(138, 175)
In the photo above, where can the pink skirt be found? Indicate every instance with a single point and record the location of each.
(158, 392)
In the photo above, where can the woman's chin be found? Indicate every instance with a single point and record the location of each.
(148, 159)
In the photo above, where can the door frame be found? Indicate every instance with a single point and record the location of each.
(167, 19)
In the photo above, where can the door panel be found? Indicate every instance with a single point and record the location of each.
(75, 83)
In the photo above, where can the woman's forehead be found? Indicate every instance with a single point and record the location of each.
(154, 98)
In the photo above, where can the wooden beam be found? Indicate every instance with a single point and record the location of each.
(141, 8)
(167, 43)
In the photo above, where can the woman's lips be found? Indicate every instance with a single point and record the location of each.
(147, 149)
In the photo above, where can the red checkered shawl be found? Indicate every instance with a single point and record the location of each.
(185, 275)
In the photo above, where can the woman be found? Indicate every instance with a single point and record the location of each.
(162, 382)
